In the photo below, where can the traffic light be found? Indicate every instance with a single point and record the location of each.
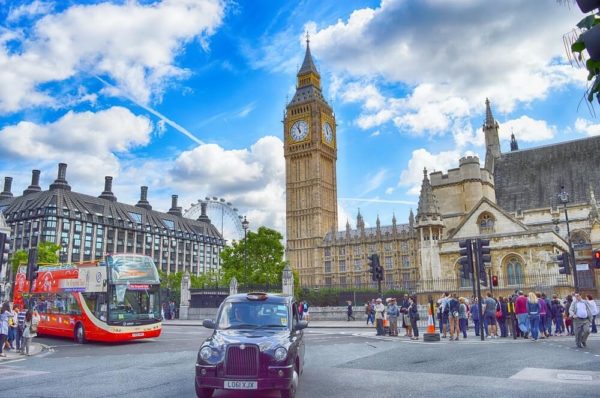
(483, 256)
(466, 261)
(596, 258)
(372, 262)
(563, 264)
(4, 250)
(494, 280)
(32, 266)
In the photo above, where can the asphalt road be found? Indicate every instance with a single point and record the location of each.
(340, 363)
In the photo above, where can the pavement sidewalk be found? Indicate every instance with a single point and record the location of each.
(34, 349)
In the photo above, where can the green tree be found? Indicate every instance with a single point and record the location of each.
(47, 254)
(257, 260)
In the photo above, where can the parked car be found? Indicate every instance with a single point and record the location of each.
(257, 344)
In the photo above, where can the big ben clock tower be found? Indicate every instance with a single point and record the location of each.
(310, 173)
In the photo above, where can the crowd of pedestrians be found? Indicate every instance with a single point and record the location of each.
(17, 328)
(533, 316)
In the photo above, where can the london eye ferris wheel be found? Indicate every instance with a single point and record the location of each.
(222, 215)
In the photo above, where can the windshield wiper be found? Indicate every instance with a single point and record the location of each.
(242, 326)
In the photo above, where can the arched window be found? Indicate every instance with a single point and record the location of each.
(464, 282)
(514, 272)
(486, 223)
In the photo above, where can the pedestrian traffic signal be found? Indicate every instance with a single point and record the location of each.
(466, 259)
(563, 264)
(372, 262)
(32, 266)
(596, 258)
(483, 256)
(4, 249)
(494, 280)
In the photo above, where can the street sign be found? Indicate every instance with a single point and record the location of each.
(583, 267)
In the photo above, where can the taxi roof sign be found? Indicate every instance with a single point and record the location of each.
(256, 296)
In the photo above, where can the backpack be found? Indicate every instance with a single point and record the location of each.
(446, 306)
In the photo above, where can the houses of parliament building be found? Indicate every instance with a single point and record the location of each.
(511, 198)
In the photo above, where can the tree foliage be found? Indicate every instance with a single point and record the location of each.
(257, 260)
(47, 254)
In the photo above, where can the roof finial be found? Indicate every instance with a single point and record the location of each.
(307, 38)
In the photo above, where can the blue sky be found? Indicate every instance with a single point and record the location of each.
(187, 96)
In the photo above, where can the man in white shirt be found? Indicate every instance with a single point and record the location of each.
(594, 308)
(581, 313)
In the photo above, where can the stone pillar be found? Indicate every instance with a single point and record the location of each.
(287, 281)
(184, 305)
(233, 286)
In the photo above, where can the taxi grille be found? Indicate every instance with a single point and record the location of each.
(242, 362)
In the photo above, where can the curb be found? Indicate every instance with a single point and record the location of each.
(14, 355)
(310, 326)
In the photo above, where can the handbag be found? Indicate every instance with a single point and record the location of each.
(498, 314)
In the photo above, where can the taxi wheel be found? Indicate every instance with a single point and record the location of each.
(291, 392)
(79, 334)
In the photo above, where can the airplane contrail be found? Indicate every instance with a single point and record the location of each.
(162, 117)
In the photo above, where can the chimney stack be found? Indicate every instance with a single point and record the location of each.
(203, 215)
(143, 202)
(35, 183)
(6, 193)
(61, 179)
(107, 193)
(176, 211)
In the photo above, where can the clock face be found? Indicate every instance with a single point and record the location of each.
(299, 130)
(327, 133)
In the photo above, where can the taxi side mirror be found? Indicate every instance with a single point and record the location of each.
(208, 323)
(301, 325)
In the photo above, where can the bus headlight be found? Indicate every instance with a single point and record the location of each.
(205, 353)
(280, 354)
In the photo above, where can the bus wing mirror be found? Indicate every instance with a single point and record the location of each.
(208, 323)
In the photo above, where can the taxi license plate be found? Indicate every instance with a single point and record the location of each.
(240, 385)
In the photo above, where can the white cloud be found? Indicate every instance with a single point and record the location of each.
(412, 176)
(32, 9)
(446, 66)
(527, 129)
(133, 44)
(587, 127)
(374, 181)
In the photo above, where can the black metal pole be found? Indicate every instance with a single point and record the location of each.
(479, 307)
(571, 251)
(490, 277)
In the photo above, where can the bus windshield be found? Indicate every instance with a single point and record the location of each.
(131, 304)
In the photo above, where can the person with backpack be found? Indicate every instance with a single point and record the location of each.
(462, 317)
(453, 313)
(556, 310)
(445, 310)
(475, 316)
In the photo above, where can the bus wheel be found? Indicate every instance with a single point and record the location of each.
(79, 334)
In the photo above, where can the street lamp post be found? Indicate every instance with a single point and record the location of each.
(245, 224)
(563, 196)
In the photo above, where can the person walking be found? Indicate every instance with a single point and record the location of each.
(522, 317)
(567, 317)
(301, 309)
(393, 312)
(556, 311)
(510, 317)
(594, 308)
(543, 314)
(533, 310)
(501, 316)
(32, 319)
(445, 309)
(4, 316)
(413, 314)
(580, 312)
(462, 317)
(379, 316)
(20, 328)
(12, 326)
(489, 315)
(349, 311)
(368, 312)
(475, 316)
(548, 315)
(453, 309)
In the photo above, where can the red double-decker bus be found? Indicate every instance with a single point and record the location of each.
(117, 299)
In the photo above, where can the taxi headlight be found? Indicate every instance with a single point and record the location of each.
(280, 354)
(205, 353)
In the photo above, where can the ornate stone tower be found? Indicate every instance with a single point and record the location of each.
(310, 171)
(492, 140)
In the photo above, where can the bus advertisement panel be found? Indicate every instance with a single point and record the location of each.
(114, 300)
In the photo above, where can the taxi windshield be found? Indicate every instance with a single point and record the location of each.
(253, 315)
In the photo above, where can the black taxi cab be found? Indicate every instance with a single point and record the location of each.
(257, 344)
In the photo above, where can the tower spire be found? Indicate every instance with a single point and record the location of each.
(492, 138)
(514, 146)
(308, 65)
(427, 201)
